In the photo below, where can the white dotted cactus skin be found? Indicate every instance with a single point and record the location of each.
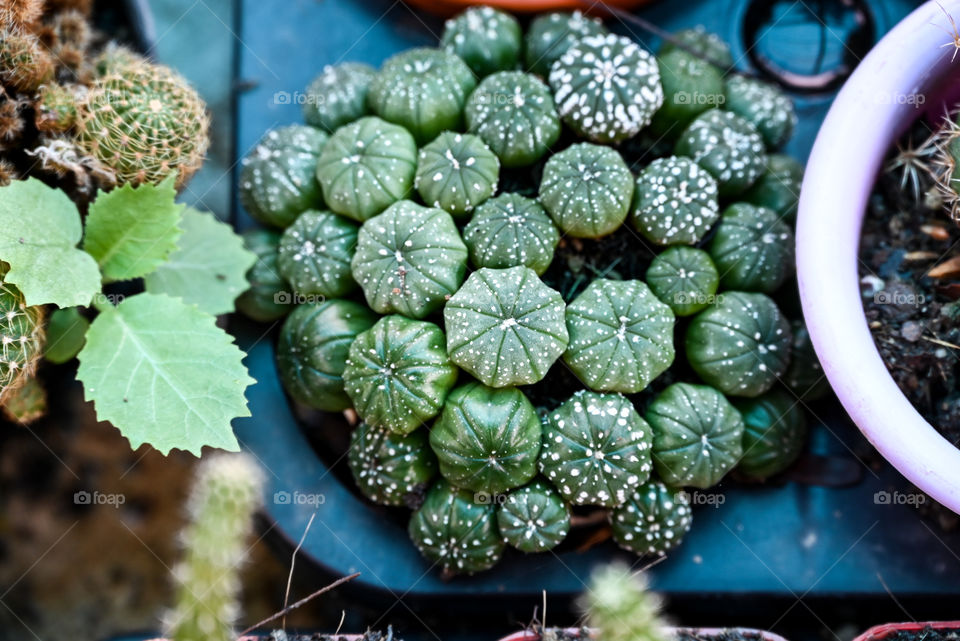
(424, 90)
(653, 521)
(505, 326)
(587, 189)
(752, 249)
(764, 106)
(621, 336)
(606, 87)
(486, 39)
(390, 469)
(774, 436)
(409, 260)
(702, 42)
(513, 112)
(684, 278)
(338, 95)
(697, 435)
(550, 35)
(533, 518)
(740, 345)
(728, 147)
(675, 202)
(398, 374)
(456, 172)
(596, 449)
(367, 166)
(314, 254)
(278, 180)
(486, 439)
(509, 231)
(456, 531)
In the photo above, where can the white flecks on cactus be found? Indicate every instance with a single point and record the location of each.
(727, 146)
(533, 518)
(389, 468)
(511, 230)
(764, 106)
(550, 35)
(456, 172)
(675, 202)
(338, 95)
(653, 521)
(752, 248)
(486, 39)
(315, 253)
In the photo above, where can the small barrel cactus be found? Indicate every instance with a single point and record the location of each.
(56, 107)
(390, 468)
(27, 403)
(143, 123)
(423, 90)
(315, 252)
(776, 430)
(278, 178)
(606, 87)
(704, 43)
(514, 114)
(533, 518)
(752, 249)
(312, 351)
(684, 278)
(653, 521)
(509, 231)
(764, 106)
(456, 172)
(486, 439)
(21, 337)
(740, 345)
(25, 63)
(456, 531)
(587, 189)
(690, 87)
(805, 374)
(398, 373)
(675, 202)
(268, 297)
(486, 39)
(338, 96)
(727, 146)
(621, 336)
(409, 260)
(697, 435)
(779, 187)
(550, 35)
(367, 166)
(596, 449)
(505, 326)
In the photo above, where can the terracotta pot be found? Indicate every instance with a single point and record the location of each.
(450, 7)
(881, 632)
(702, 633)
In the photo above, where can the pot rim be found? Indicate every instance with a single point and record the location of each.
(865, 118)
(882, 631)
(531, 635)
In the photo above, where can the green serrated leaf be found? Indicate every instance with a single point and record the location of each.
(163, 373)
(39, 231)
(208, 268)
(132, 230)
(66, 333)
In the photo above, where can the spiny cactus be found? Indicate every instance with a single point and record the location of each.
(21, 337)
(945, 165)
(56, 107)
(619, 608)
(24, 63)
(225, 493)
(18, 15)
(144, 122)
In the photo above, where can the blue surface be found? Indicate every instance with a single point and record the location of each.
(785, 541)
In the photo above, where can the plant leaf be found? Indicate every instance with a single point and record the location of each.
(39, 231)
(132, 230)
(66, 333)
(163, 373)
(209, 266)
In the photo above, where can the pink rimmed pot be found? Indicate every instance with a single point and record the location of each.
(702, 633)
(877, 103)
(882, 632)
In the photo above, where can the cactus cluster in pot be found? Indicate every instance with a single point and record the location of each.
(533, 311)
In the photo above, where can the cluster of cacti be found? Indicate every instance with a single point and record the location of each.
(499, 291)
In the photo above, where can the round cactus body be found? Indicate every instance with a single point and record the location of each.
(776, 430)
(702, 42)
(22, 334)
(456, 172)
(675, 202)
(266, 299)
(690, 87)
(505, 326)
(596, 449)
(779, 187)
(278, 179)
(509, 231)
(740, 345)
(455, 531)
(367, 166)
(312, 351)
(587, 189)
(144, 122)
(653, 521)
(315, 252)
(533, 518)
(513, 112)
(684, 278)
(338, 96)
(606, 87)
(409, 260)
(424, 90)
(697, 435)
(389, 468)
(752, 249)
(25, 63)
(398, 374)
(621, 336)
(26, 403)
(805, 374)
(486, 39)
(727, 146)
(550, 35)
(764, 106)
(487, 439)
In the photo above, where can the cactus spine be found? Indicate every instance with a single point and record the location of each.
(21, 338)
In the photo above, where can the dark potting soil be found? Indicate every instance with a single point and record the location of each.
(369, 635)
(926, 634)
(682, 634)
